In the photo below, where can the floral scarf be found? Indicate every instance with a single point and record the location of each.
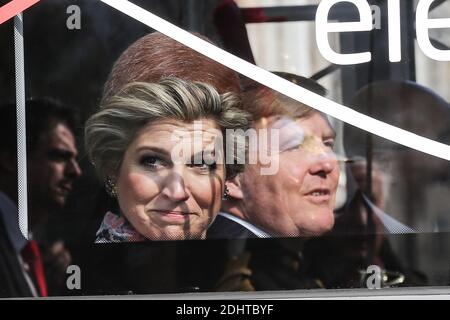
(116, 228)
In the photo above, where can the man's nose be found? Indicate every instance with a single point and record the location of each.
(73, 168)
(175, 187)
(322, 163)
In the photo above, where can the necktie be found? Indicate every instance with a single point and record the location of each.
(32, 256)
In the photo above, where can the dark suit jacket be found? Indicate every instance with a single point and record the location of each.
(12, 280)
(260, 263)
(224, 228)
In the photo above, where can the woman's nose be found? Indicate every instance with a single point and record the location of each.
(175, 187)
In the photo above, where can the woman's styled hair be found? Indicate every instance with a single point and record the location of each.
(109, 132)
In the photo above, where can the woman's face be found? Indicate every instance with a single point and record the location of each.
(170, 182)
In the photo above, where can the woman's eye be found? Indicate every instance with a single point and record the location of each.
(204, 167)
(152, 162)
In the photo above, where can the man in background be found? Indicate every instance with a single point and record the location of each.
(51, 170)
(298, 199)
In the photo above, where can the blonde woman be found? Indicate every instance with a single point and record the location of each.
(135, 140)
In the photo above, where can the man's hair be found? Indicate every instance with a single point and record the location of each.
(156, 56)
(262, 102)
(42, 115)
(110, 131)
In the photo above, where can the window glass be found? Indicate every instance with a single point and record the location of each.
(151, 168)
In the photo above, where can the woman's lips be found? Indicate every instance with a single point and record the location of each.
(174, 216)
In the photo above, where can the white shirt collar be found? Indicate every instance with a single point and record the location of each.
(258, 232)
(10, 215)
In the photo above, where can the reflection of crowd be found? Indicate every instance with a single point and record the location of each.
(159, 95)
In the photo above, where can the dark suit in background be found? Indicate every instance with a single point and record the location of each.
(12, 279)
(224, 228)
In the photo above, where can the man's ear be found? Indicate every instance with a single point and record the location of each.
(234, 188)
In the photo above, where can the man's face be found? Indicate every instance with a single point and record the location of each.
(52, 168)
(299, 199)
